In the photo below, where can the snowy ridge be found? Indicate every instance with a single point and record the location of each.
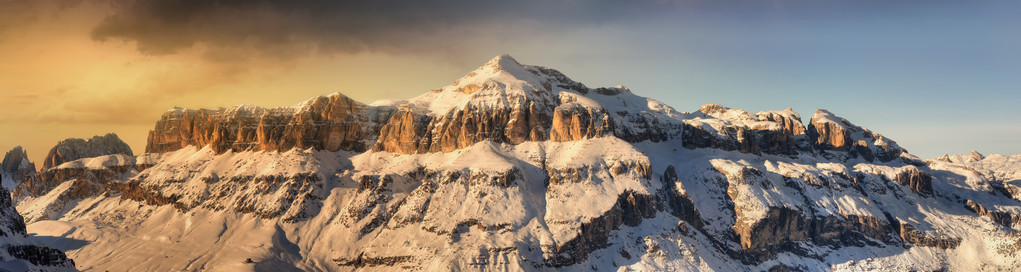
(517, 167)
(502, 83)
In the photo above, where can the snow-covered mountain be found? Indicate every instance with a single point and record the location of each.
(518, 167)
(16, 168)
(18, 250)
(1005, 171)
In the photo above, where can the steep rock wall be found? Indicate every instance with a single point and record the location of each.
(73, 148)
(333, 123)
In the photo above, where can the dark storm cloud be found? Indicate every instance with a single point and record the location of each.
(280, 26)
(234, 28)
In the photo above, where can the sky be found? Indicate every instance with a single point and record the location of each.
(936, 76)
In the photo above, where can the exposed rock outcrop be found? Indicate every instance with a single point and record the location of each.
(572, 123)
(918, 238)
(13, 237)
(629, 210)
(77, 179)
(918, 181)
(403, 133)
(772, 132)
(333, 123)
(74, 148)
(408, 132)
(16, 166)
(1007, 219)
(677, 200)
(976, 156)
(268, 196)
(832, 133)
(11, 223)
(782, 227)
(502, 101)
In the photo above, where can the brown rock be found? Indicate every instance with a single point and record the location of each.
(918, 181)
(829, 135)
(774, 132)
(630, 209)
(911, 235)
(783, 226)
(576, 123)
(403, 133)
(677, 199)
(830, 132)
(73, 148)
(1006, 219)
(17, 166)
(333, 122)
(791, 122)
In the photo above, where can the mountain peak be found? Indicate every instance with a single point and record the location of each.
(502, 61)
(977, 156)
(502, 66)
(75, 148)
(14, 159)
(496, 83)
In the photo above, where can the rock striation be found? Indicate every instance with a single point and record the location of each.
(334, 122)
(771, 132)
(503, 101)
(74, 148)
(918, 181)
(829, 132)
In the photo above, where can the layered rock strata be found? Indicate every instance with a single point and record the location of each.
(772, 132)
(831, 133)
(333, 123)
(74, 148)
(502, 101)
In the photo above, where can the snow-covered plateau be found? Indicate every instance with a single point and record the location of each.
(516, 167)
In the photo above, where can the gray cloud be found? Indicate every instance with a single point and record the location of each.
(283, 27)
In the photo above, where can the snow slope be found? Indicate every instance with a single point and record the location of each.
(599, 202)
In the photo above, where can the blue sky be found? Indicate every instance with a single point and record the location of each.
(937, 77)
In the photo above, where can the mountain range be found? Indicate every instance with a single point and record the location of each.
(512, 167)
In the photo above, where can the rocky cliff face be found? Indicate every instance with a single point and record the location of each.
(502, 101)
(83, 175)
(20, 252)
(72, 181)
(771, 132)
(75, 148)
(333, 123)
(831, 133)
(16, 167)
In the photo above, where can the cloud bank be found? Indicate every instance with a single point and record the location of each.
(286, 27)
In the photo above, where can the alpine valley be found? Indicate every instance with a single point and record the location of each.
(512, 167)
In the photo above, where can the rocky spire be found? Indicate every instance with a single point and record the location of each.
(17, 167)
(976, 156)
(74, 148)
(15, 159)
